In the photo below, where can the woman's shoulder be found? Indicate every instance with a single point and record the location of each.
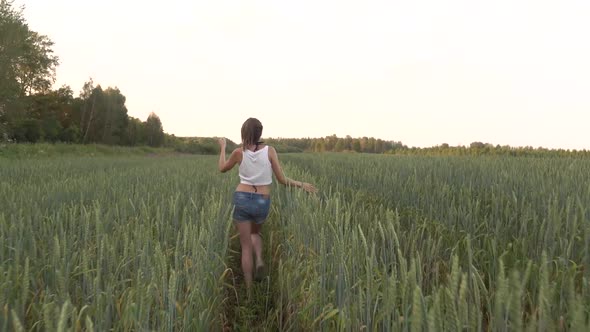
(238, 152)
(271, 151)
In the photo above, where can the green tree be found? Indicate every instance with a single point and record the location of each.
(379, 146)
(51, 129)
(113, 117)
(154, 130)
(477, 145)
(54, 110)
(27, 62)
(363, 142)
(70, 134)
(135, 132)
(356, 145)
(91, 99)
(27, 130)
(348, 142)
(371, 145)
(27, 66)
(103, 115)
(340, 145)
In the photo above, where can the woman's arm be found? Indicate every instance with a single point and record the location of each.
(278, 171)
(234, 158)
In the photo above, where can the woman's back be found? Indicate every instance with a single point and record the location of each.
(255, 168)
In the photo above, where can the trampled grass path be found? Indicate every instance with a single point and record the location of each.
(256, 311)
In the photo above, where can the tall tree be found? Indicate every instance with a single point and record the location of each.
(356, 145)
(27, 66)
(340, 145)
(114, 118)
(103, 115)
(135, 132)
(27, 62)
(153, 130)
(92, 101)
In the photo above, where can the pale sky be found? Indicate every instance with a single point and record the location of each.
(426, 72)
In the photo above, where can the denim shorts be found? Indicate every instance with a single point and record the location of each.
(250, 207)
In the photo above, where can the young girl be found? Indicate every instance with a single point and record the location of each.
(257, 162)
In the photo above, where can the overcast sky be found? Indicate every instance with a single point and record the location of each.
(424, 72)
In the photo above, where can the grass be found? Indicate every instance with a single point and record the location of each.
(24, 150)
(392, 243)
(123, 243)
(439, 243)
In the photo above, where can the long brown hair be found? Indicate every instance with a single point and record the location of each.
(251, 132)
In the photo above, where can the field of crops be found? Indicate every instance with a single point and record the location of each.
(390, 243)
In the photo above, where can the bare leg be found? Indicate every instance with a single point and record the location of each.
(245, 229)
(257, 243)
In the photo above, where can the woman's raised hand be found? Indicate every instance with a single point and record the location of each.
(221, 142)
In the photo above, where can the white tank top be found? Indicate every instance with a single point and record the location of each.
(255, 168)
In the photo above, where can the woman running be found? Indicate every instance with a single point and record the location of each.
(257, 161)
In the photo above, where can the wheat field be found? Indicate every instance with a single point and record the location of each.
(390, 243)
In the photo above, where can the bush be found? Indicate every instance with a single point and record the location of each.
(28, 130)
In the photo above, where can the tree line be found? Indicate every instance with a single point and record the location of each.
(30, 111)
(488, 149)
(334, 143)
(373, 145)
